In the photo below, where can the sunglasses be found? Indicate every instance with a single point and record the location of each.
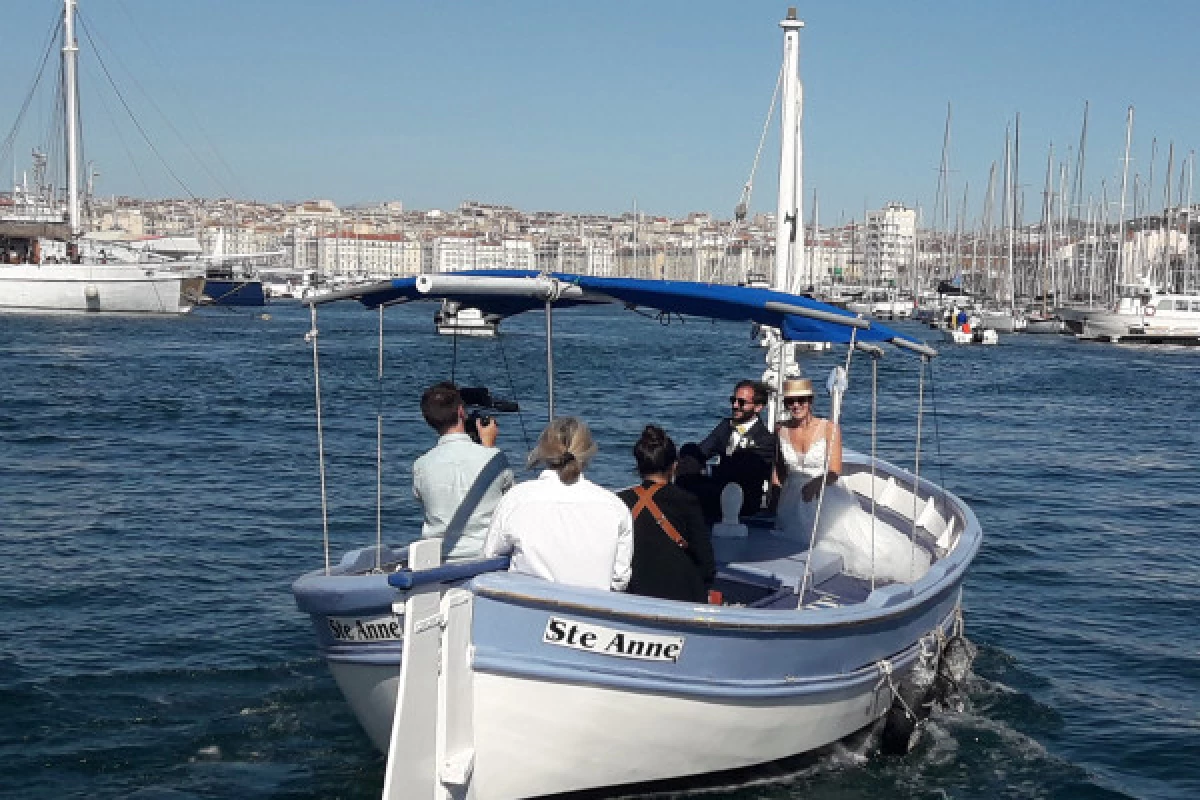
(791, 401)
(738, 401)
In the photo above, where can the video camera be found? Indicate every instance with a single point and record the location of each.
(478, 399)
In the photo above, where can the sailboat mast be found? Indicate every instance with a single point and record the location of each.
(1118, 274)
(789, 235)
(1044, 250)
(70, 56)
(1007, 214)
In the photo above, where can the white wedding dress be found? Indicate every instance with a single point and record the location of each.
(844, 528)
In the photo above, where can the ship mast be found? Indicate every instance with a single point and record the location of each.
(70, 56)
(789, 227)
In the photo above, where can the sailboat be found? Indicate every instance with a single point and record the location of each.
(49, 267)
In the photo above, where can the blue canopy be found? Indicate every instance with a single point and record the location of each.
(797, 317)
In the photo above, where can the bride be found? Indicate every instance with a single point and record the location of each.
(811, 449)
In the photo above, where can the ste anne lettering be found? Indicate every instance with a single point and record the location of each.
(355, 629)
(612, 642)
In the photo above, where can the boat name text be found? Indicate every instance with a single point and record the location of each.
(611, 642)
(387, 628)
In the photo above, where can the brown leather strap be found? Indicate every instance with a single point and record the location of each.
(646, 502)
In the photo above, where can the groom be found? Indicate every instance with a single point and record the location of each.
(743, 445)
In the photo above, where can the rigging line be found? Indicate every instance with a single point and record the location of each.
(512, 388)
(133, 118)
(195, 120)
(133, 162)
(150, 99)
(454, 352)
(748, 188)
(12, 134)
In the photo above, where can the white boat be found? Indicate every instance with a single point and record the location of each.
(471, 681)
(484, 684)
(49, 268)
(1002, 320)
(1043, 323)
(1148, 313)
(454, 319)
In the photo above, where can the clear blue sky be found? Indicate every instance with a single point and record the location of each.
(591, 106)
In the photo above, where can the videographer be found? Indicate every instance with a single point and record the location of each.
(460, 481)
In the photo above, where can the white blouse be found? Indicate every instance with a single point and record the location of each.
(579, 534)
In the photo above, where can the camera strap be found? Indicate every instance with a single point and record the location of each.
(645, 502)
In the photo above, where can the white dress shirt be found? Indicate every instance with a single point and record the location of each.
(580, 533)
(459, 484)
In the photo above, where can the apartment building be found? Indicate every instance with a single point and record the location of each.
(890, 233)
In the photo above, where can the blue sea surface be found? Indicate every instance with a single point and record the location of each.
(159, 492)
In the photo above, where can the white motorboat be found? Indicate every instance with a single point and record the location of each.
(1148, 313)
(454, 319)
(481, 683)
(48, 267)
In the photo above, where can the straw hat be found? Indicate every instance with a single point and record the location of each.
(797, 387)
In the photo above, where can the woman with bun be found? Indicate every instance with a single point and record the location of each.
(562, 527)
(672, 552)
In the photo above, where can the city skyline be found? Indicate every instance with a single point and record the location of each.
(593, 109)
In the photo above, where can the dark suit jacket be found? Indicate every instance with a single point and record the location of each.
(750, 464)
(662, 568)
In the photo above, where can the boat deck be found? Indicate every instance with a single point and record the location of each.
(767, 571)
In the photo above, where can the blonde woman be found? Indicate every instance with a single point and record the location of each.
(562, 527)
(810, 455)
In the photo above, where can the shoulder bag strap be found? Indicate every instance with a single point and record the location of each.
(646, 502)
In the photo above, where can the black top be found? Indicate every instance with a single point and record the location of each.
(662, 568)
(749, 465)
(707, 490)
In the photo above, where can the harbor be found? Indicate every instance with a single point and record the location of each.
(152, 644)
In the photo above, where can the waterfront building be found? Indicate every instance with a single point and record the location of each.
(890, 233)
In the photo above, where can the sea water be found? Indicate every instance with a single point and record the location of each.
(159, 491)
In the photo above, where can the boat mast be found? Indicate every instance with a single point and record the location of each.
(1118, 273)
(1047, 225)
(788, 224)
(70, 56)
(1006, 213)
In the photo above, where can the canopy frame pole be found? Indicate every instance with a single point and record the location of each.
(379, 453)
(917, 463)
(549, 358)
(311, 336)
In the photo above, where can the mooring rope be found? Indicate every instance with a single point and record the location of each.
(311, 336)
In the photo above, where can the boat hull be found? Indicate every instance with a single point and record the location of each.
(97, 288)
(740, 685)
(1050, 325)
(246, 293)
(595, 732)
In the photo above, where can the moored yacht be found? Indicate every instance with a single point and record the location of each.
(1148, 313)
(49, 267)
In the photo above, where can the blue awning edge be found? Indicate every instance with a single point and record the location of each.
(797, 317)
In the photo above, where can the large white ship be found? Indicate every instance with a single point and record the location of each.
(48, 267)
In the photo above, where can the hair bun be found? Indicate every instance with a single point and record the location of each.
(652, 434)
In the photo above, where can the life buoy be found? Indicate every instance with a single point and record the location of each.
(1149, 311)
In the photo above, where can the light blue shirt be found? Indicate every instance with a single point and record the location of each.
(459, 484)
